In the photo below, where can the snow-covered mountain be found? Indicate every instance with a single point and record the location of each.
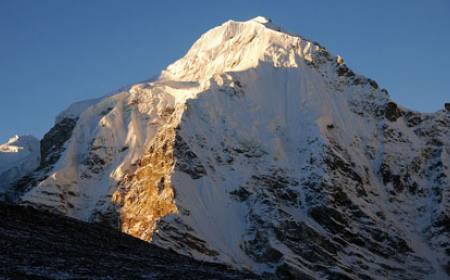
(262, 150)
(19, 156)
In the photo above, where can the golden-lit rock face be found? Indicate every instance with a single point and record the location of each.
(146, 195)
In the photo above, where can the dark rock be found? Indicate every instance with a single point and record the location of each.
(52, 144)
(19, 187)
(106, 111)
(249, 151)
(397, 183)
(447, 268)
(286, 271)
(123, 149)
(187, 239)
(443, 222)
(336, 163)
(198, 244)
(338, 276)
(447, 106)
(187, 160)
(413, 119)
(241, 194)
(372, 83)
(94, 162)
(261, 250)
(276, 179)
(392, 112)
(286, 195)
(360, 81)
(306, 242)
(329, 218)
(395, 179)
(342, 70)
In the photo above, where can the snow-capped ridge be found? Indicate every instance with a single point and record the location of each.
(75, 109)
(239, 46)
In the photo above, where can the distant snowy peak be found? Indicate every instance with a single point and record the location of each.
(18, 146)
(9, 146)
(18, 156)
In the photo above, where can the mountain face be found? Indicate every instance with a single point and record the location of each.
(19, 156)
(261, 150)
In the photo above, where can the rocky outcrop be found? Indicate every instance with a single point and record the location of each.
(187, 161)
(147, 194)
(392, 112)
(52, 144)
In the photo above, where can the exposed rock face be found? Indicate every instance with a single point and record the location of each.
(392, 112)
(53, 141)
(187, 162)
(261, 150)
(148, 191)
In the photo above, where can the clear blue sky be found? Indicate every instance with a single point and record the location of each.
(53, 53)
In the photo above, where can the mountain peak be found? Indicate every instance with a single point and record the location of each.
(17, 143)
(238, 46)
(261, 19)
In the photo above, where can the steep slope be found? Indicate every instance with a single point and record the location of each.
(41, 245)
(19, 156)
(261, 150)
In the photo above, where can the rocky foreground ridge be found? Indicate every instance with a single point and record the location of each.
(41, 245)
